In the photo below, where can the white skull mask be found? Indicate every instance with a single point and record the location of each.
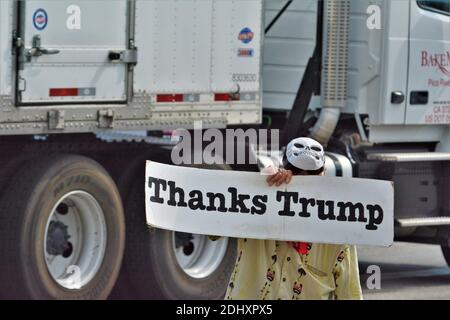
(305, 154)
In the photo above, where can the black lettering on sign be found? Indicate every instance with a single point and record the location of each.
(196, 201)
(375, 216)
(238, 200)
(233, 201)
(321, 210)
(351, 208)
(212, 197)
(288, 196)
(158, 184)
(305, 203)
(173, 192)
(259, 205)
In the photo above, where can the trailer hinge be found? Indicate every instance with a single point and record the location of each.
(125, 56)
(106, 118)
(56, 120)
(17, 41)
(21, 84)
(18, 49)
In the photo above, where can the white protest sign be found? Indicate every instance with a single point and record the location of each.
(242, 205)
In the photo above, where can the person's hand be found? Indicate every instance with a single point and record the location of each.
(280, 177)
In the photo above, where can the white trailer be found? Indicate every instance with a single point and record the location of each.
(98, 67)
(375, 92)
(89, 65)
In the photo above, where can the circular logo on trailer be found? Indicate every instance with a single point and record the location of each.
(246, 35)
(40, 19)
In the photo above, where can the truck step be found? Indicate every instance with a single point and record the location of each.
(423, 222)
(409, 156)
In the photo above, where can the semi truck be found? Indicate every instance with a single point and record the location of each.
(90, 90)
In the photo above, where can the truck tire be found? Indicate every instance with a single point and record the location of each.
(151, 269)
(62, 230)
(446, 252)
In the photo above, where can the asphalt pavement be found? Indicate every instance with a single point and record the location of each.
(407, 271)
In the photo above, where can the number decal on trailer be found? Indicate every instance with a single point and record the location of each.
(246, 53)
(244, 77)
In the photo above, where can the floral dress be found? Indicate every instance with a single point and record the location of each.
(276, 270)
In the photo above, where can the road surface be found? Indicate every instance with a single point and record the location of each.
(408, 271)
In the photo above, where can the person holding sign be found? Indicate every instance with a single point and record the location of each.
(272, 270)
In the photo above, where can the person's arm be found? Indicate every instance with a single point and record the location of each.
(346, 275)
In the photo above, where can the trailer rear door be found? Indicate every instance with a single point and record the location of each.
(73, 51)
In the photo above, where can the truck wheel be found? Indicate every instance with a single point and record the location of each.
(446, 252)
(62, 231)
(161, 264)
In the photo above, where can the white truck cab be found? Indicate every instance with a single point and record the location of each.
(391, 58)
